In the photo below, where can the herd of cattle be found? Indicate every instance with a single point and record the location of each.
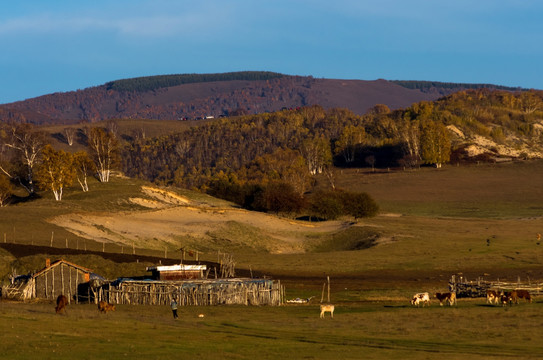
(492, 297)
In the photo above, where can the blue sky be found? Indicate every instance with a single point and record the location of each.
(57, 46)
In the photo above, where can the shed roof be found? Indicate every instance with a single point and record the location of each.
(59, 262)
(179, 267)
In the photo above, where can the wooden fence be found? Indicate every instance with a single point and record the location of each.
(477, 288)
(239, 291)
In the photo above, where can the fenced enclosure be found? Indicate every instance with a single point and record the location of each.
(202, 292)
(477, 288)
(61, 245)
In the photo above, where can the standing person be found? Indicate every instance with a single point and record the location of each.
(173, 305)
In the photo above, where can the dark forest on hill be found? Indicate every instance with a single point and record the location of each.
(194, 96)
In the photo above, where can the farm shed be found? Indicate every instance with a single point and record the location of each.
(177, 272)
(59, 277)
(201, 292)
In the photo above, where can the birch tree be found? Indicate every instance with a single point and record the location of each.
(84, 167)
(56, 171)
(69, 133)
(317, 154)
(435, 143)
(104, 151)
(409, 134)
(23, 145)
(349, 140)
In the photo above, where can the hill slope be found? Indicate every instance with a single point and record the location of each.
(192, 96)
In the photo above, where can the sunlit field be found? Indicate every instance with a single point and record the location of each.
(476, 220)
(367, 330)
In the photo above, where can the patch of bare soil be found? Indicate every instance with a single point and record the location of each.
(174, 219)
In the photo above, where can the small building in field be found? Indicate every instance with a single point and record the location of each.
(59, 277)
(177, 272)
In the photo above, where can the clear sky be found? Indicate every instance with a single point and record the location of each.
(65, 45)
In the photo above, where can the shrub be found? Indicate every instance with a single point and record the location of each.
(359, 205)
(326, 204)
(278, 197)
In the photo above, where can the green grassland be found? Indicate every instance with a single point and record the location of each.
(479, 219)
(364, 330)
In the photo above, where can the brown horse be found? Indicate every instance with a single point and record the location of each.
(62, 302)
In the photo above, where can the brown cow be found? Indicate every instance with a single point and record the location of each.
(513, 297)
(449, 297)
(105, 307)
(523, 294)
(62, 302)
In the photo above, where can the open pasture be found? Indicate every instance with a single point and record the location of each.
(434, 223)
(369, 330)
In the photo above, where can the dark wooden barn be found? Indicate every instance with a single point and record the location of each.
(59, 277)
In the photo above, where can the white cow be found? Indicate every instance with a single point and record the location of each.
(423, 298)
(493, 297)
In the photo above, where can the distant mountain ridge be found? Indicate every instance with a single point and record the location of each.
(192, 96)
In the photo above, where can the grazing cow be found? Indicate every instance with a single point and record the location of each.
(505, 298)
(105, 307)
(62, 302)
(492, 297)
(523, 294)
(448, 297)
(421, 297)
(327, 308)
(513, 297)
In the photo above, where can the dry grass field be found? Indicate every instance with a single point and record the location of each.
(478, 220)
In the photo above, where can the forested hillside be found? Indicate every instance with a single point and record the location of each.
(269, 161)
(194, 96)
(293, 145)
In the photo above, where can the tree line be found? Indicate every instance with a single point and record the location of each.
(149, 83)
(28, 161)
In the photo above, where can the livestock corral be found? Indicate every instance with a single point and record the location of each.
(187, 284)
(465, 288)
(197, 292)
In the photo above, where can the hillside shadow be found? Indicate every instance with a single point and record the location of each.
(16, 199)
(59, 137)
(310, 218)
